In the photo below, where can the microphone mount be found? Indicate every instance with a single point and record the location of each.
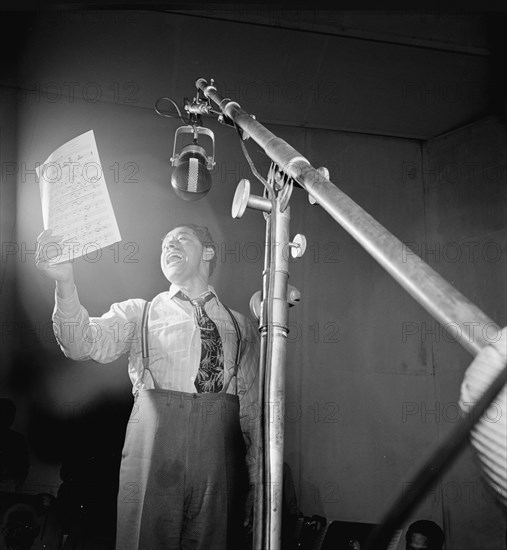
(194, 109)
(194, 146)
(198, 107)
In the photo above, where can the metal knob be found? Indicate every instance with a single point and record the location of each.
(298, 246)
(243, 200)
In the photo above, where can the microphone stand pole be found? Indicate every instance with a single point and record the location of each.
(273, 329)
(271, 309)
(446, 304)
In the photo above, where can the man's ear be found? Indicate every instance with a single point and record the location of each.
(208, 253)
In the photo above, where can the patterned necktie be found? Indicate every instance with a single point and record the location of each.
(210, 376)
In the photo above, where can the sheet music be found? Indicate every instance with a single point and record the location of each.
(75, 199)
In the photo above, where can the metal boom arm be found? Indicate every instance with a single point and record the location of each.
(446, 304)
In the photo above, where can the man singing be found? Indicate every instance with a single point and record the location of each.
(189, 455)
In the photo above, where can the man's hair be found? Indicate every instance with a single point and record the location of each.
(430, 530)
(203, 234)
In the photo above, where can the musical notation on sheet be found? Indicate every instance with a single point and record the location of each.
(75, 199)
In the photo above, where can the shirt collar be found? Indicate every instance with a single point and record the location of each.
(174, 289)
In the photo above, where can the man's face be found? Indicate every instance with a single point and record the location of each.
(417, 542)
(182, 256)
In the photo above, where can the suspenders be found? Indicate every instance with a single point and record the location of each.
(145, 351)
(238, 349)
(144, 333)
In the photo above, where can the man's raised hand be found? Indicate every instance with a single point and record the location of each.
(48, 247)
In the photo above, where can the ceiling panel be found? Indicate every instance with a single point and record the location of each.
(348, 79)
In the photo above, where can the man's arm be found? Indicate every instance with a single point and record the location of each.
(489, 436)
(102, 339)
(62, 273)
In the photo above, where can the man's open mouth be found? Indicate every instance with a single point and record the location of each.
(174, 258)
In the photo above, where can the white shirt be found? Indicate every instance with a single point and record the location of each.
(174, 343)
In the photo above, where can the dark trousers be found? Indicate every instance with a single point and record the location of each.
(183, 476)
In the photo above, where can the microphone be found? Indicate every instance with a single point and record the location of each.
(191, 178)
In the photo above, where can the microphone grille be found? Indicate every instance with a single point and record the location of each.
(193, 174)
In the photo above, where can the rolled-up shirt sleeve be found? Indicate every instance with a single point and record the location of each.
(489, 435)
(248, 392)
(101, 339)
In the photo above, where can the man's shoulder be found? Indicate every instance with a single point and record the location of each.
(157, 298)
(246, 324)
(240, 317)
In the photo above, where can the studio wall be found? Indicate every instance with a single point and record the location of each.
(465, 178)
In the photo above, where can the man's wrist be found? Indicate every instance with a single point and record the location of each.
(65, 289)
